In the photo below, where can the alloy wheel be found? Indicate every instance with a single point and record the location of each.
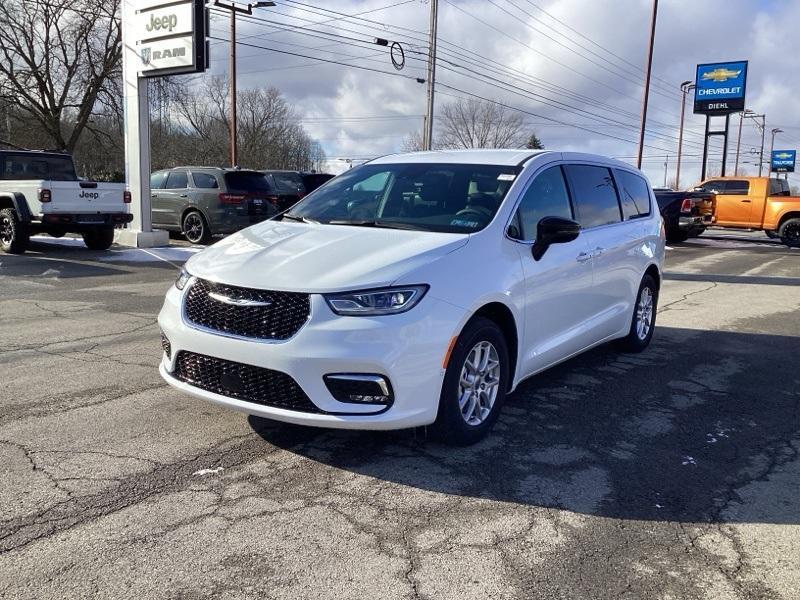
(792, 232)
(644, 313)
(193, 228)
(6, 230)
(479, 383)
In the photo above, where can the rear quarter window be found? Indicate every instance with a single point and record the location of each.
(594, 195)
(204, 181)
(634, 194)
(247, 181)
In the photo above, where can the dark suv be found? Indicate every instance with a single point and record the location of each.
(204, 201)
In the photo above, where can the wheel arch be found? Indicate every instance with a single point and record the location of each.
(654, 272)
(786, 216)
(503, 317)
(16, 201)
(193, 208)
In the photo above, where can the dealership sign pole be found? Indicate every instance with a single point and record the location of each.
(719, 91)
(159, 37)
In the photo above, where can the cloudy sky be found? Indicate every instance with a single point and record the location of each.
(574, 67)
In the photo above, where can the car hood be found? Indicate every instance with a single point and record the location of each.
(287, 256)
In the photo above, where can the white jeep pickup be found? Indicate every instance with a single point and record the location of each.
(40, 193)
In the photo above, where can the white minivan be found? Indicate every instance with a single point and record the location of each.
(419, 289)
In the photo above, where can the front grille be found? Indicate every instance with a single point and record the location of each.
(281, 316)
(243, 382)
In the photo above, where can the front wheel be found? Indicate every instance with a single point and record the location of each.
(644, 317)
(195, 228)
(99, 238)
(14, 235)
(475, 384)
(790, 233)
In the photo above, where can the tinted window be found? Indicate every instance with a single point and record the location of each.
(287, 182)
(177, 180)
(739, 188)
(37, 166)
(204, 181)
(714, 187)
(634, 194)
(157, 180)
(779, 187)
(456, 198)
(546, 197)
(247, 181)
(594, 195)
(312, 181)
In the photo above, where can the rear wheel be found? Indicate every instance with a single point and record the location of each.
(99, 238)
(644, 317)
(475, 384)
(14, 234)
(677, 235)
(790, 233)
(195, 228)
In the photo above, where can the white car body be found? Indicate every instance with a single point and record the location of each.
(69, 197)
(579, 295)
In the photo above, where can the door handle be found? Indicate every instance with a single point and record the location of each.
(184, 195)
(583, 257)
(748, 201)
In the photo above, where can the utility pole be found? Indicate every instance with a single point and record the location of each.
(647, 82)
(742, 115)
(233, 8)
(685, 87)
(761, 154)
(666, 166)
(772, 148)
(427, 139)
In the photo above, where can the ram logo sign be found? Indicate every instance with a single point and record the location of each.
(720, 88)
(783, 161)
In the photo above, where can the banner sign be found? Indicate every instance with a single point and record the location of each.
(783, 161)
(720, 88)
(170, 36)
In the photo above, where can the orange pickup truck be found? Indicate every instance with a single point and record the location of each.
(756, 203)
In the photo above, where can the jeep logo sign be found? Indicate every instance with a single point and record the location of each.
(89, 196)
(167, 23)
(167, 36)
(160, 22)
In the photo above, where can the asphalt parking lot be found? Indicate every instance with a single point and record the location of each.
(671, 474)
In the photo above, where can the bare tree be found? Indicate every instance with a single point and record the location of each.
(58, 60)
(412, 142)
(474, 123)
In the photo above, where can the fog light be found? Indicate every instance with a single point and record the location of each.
(166, 346)
(360, 389)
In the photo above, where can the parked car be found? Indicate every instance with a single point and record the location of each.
(763, 203)
(312, 181)
(288, 185)
(203, 201)
(40, 193)
(686, 214)
(419, 289)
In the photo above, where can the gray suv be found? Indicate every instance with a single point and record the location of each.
(203, 201)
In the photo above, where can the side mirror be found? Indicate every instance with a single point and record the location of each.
(553, 230)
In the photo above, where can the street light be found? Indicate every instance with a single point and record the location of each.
(742, 115)
(685, 87)
(232, 75)
(772, 147)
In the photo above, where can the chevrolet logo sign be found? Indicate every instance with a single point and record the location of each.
(720, 75)
(783, 155)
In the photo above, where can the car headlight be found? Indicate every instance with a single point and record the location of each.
(370, 303)
(182, 279)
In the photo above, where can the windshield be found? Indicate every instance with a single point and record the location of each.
(425, 196)
(247, 181)
(36, 166)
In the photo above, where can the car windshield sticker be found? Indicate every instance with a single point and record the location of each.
(462, 223)
(506, 177)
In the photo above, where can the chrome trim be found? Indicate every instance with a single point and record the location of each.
(378, 379)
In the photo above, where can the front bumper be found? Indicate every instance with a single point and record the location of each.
(407, 349)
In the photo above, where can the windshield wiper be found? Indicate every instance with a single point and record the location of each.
(298, 219)
(373, 223)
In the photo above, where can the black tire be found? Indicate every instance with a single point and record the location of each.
(773, 235)
(451, 425)
(99, 238)
(677, 235)
(195, 228)
(14, 234)
(697, 232)
(637, 340)
(790, 233)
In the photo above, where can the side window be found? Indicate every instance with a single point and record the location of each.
(779, 187)
(157, 180)
(204, 181)
(546, 196)
(595, 195)
(634, 194)
(177, 180)
(713, 187)
(737, 188)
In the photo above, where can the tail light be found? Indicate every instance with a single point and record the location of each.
(686, 205)
(126, 197)
(45, 195)
(231, 198)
